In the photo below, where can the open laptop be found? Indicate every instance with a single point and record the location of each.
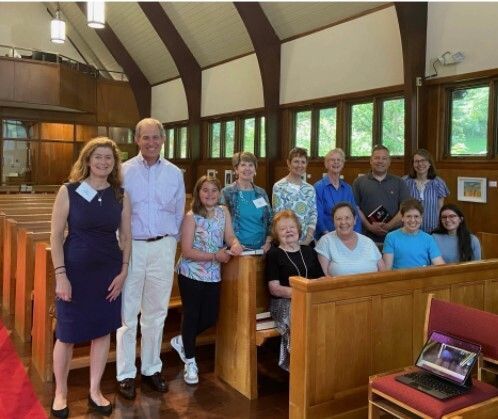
(446, 365)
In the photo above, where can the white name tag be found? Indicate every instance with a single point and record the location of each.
(260, 202)
(86, 191)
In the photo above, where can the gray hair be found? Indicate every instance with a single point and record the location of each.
(149, 121)
(337, 150)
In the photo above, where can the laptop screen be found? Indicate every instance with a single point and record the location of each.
(448, 357)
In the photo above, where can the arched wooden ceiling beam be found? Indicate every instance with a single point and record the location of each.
(412, 20)
(267, 46)
(138, 82)
(187, 65)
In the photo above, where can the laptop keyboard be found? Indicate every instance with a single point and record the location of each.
(432, 382)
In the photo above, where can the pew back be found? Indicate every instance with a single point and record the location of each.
(345, 329)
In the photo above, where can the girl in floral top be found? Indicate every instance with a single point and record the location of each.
(206, 231)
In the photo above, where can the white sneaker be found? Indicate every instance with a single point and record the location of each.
(177, 345)
(190, 373)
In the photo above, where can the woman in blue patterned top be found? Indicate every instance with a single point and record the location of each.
(428, 188)
(206, 231)
(293, 193)
(248, 204)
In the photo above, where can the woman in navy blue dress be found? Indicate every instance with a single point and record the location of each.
(90, 265)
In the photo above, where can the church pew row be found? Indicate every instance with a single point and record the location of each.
(10, 257)
(24, 278)
(345, 329)
(489, 244)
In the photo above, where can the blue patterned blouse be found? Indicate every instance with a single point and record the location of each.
(434, 190)
(299, 198)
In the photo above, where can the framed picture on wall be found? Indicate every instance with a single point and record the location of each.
(472, 189)
(228, 177)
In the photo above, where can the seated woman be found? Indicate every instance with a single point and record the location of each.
(248, 204)
(288, 259)
(345, 252)
(409, 246)
(453, 237)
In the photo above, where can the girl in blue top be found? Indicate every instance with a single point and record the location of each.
(409, 246)
(206, 228)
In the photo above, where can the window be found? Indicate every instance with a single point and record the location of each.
(316, 130)
(176, 143)
(14, 129)
(361, 129)
(468, 124)
(393, 126)
(242, 133)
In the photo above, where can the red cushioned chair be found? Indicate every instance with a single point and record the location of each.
(385, 394)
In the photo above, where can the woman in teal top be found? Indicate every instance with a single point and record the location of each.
(248, 204)
(409, 246)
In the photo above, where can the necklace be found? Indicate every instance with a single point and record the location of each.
(295, 266)
(99, 197)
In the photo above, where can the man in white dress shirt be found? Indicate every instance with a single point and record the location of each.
(157, 194)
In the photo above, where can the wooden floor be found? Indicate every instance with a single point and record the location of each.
(211, 398)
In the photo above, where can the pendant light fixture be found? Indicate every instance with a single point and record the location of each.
(95, 14)
(57, 29)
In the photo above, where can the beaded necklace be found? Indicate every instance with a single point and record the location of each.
(295, 266)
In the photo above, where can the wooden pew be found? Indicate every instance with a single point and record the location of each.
(489, 244)
(10, 258)
(26, 242)
(345, 329)
(243, 294)
(44, 318)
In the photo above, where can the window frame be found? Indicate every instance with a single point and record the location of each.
(238, 120)
(176, 127)
(492, 129)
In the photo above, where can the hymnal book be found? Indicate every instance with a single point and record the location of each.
(250, 252)
(264, 315)
(379, 215)
(265, 324)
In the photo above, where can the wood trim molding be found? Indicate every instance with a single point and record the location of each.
(138, 82)
(187, 65)
(412, 19)
(364, 94)
(467, 77)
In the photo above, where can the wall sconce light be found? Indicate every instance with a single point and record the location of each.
(57, 29)
(95, 14)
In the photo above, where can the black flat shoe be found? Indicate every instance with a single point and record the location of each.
(59, 413)
(103, 410)
(156, 382)
(126, 388)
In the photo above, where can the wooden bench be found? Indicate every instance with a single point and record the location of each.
(10, 258)
(44, 318)
(489, 244)
(244, 293)
(25, 267)
(345, 329)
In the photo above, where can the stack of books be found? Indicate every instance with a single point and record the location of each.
(264, 321)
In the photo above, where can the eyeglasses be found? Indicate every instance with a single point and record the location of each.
(419, 161)
(449, 217)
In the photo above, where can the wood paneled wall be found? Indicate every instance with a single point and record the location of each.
(116, 103)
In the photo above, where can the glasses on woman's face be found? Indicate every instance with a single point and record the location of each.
(449, 217)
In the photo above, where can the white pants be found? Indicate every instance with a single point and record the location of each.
(146, 290)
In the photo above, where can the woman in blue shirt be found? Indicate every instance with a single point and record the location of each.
(409, 246)
(248, 204)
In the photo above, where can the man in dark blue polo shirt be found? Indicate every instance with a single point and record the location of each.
(379, 189)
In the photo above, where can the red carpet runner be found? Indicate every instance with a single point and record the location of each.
(17, 397)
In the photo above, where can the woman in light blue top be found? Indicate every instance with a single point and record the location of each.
(428, 188)
(409, 246)
(345, 252)
(293, 193)
(453, 238)
(206, 229)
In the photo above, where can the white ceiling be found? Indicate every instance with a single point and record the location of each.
(213, 31)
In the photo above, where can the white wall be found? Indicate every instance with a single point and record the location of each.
(169, 103)
(233, 86)
(467, 27)
(360, 54)
(27, 25)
